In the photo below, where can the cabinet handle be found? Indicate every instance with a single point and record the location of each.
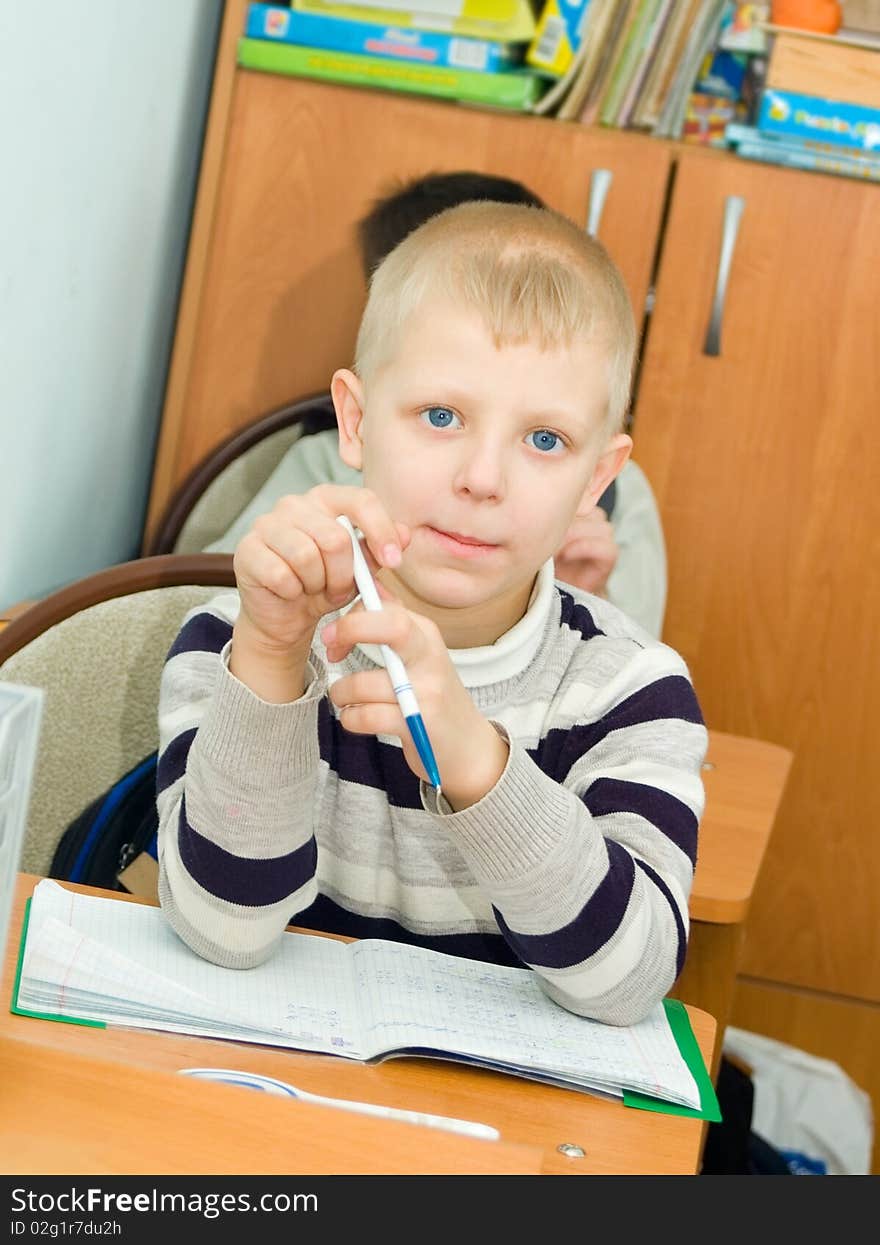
(733, 210)
(600, 182)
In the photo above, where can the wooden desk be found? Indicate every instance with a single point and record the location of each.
(744, 781)
(65, 1113)
(34, 1068)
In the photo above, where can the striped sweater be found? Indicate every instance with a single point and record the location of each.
(578, 863)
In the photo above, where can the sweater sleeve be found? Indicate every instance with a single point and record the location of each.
(235, 793)
(586, 845)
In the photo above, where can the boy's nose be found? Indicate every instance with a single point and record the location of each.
(481, 474)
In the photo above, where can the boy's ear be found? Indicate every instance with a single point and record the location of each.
(608, 465)
(347, 393)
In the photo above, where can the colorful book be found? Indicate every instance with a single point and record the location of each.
(605, 20)
(707, 117)
(558, 36)
(653, 39)
(622, 73)
(738, 135)
(653, 92)
(702, 39)
(743, 29)
(620, 18)
(508, 20)
(842, 164)
(336, 34)
(515, 88)
(809, 116)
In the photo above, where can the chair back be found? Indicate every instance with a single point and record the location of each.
(96, 648)
(219, 487)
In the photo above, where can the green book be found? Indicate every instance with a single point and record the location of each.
(626, 62)
(514, 88)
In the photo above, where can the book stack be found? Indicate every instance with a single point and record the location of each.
(730, 78)
(472, 51)
(820, 106)
(636, 63)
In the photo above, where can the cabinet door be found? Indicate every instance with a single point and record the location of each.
(764, 458)
(281, 292)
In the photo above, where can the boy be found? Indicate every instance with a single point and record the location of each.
(491, 376)
(616, 549)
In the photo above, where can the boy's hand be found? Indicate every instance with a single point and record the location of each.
(293, 567)
(589, 552)
(470, 753)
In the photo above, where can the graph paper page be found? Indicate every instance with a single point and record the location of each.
(128, 955)
(412, 997)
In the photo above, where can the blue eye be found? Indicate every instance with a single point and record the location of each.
(545, 440)
(439, 416)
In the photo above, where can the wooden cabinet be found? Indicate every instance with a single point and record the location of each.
(275, 301)
(764, 459)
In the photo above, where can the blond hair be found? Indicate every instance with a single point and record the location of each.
(530, 273)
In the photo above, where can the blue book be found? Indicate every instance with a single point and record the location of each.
(400, 43)
(791, 156)
(823, 120)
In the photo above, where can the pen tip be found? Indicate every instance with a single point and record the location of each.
(438, 791)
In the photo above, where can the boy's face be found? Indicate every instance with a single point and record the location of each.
(486, 454)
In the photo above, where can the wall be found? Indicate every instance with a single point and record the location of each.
(102, 109)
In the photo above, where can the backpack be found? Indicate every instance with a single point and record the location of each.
(115, 835)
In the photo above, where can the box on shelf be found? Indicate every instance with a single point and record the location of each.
(515, 88)
(405, 43)
(509, 20)
(810, 116)
(557, 36)
(827, 67)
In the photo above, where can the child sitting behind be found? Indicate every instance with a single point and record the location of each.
(491, 379)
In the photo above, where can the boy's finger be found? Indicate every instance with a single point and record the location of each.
(381, 536)
(365, 687)
(374, 719)
(391, 626)
(302, 554)
(256, 565)
(365, 511)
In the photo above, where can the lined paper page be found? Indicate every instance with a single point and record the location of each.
(412, 997)
(123, 960)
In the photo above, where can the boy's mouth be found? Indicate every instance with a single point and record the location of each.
(460, 544)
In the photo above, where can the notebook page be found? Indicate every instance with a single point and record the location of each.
(302, 996)
(66, 973)
(413, 997)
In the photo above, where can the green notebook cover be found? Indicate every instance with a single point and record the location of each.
(21, 1011)
(515, 88)
(675, 1013)
(679, 1023)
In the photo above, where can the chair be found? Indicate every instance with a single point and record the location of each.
(96, 648)
(220, 486)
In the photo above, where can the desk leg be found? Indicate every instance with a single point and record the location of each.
(708, 979)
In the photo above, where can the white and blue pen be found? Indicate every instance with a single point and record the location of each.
(403, 689)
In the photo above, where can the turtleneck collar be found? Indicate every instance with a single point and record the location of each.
(511, 653)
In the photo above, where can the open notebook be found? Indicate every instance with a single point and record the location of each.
(21, 710)
(108, 961)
